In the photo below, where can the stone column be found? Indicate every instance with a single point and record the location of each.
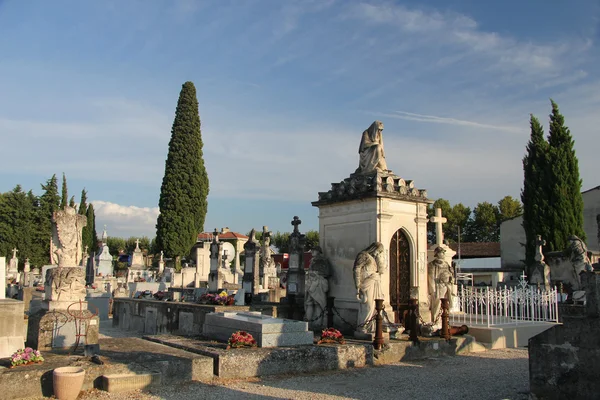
(215, 281)
(295, 280)
(251, 278)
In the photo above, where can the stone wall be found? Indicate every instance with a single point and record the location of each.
(153, 317)
(564, 360)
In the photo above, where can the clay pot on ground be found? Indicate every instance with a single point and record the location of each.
(68, 382)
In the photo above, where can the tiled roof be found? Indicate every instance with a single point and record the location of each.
(477, 250)
(204, 236)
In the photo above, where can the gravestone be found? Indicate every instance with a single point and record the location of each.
(12, 326)
(13, 267)
(216, 278)
(251, 280)
(104, 260)
(266, 330)
(27, 273)
(296, 274)
(64, 311)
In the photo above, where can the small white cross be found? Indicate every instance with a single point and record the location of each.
(438, 220)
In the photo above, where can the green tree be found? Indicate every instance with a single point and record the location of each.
(49, 202)
(65, 193)
(18, 225)
(83, 203)
(91, 238)
(565, 215)
(534, 194)
(509, 207)
(312, 240)
(281, 241)
(457, 218)
(483, 227)
(115, 245)
(72, 201)
(183, 195)
(131, 243)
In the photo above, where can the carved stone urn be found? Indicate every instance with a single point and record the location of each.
(67, 382)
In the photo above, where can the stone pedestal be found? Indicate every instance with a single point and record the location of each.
(12, 326)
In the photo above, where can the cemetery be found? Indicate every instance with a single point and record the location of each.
(374, 291)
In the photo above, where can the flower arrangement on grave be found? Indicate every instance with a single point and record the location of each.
(331, 335)
(241, 339)
(25, 356)
(220, 299)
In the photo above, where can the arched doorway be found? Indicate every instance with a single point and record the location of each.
(399, 274)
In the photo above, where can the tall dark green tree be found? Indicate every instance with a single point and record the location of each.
(564, 185)
(91, 239)
(183, 195)
(534, 194)
(18, 225)
(49, 202)
(65, 193)
(83, 203)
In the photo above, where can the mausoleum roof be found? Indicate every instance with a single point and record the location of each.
(374, 184)
(208, 236)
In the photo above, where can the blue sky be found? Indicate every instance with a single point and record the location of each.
(285, 90)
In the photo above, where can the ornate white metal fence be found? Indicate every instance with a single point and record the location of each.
(489, 306)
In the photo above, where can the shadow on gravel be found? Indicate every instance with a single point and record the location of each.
(437, 378)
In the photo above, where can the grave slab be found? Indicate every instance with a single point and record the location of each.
(266, 330)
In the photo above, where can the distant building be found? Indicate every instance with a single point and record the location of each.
(512, 234)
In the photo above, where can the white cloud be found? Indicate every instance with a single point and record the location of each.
(125, 221)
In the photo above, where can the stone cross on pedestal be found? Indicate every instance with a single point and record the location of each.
(438, 220)
(295, 222)
(14, 252)
(137, 243)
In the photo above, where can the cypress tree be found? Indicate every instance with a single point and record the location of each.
(534, 195)
(92, 239)
(83, 203)
(183, 195)
(49, 202)
(564, 185)
(72, 201)
(65, 193)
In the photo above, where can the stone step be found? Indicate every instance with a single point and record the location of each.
(117, 383)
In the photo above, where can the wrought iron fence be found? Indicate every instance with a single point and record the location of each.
(497, 306)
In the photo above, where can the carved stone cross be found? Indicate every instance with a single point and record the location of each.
(266, 233)
(137, 244)
(438, 220)
(295, 223)
(14, 252)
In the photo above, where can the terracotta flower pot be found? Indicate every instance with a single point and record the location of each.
(68, 382)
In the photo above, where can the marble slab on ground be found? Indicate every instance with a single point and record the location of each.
(266, 330)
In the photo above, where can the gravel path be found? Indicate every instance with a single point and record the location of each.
(495, 374)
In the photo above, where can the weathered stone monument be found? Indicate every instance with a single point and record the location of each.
(13, 267)
(64, 315)
(317, 287)
(375, 205)
(251, 280)
(369, 266)
(296, 274)
(216, 277)
(267, 268)
(104, 260)
(540, 274)
(440, 275)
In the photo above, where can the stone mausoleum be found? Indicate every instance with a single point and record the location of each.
(374, 204)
